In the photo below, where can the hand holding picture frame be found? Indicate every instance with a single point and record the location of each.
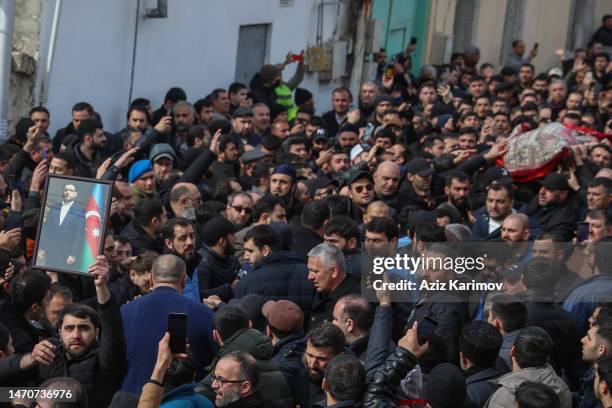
(72, 225)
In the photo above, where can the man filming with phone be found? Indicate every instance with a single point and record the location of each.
(516, 56)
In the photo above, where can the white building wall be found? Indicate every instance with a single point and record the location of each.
(194, 48)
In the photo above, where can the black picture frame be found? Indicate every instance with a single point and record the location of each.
(48, 239)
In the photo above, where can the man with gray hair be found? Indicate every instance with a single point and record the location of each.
(145, 322)
(327, 272)
(367, 95)
(184, 118)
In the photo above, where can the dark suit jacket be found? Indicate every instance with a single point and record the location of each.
(60, 241)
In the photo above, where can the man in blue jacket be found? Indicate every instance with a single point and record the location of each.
(277, 274)
(145, 322)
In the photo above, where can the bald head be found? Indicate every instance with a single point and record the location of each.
(386, 178)
(376, 209)
(515, 228)
(169, 269)
(605, 172)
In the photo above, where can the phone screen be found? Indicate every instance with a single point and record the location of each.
(177, 327)
(413, 40)
(582, 232)
(425, 329)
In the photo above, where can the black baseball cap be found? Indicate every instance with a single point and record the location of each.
(357, 174)
(419, 166)
(555, 181)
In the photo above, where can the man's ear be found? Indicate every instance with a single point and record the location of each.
(216, 337)
(352, 243)
(513, 351)
(325, 385)
(350, 325)
(266, 250)
(168, 244)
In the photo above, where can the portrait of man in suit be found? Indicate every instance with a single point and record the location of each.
(62, 233)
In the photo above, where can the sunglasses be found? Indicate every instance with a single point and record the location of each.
(368, 187)
(240, 209)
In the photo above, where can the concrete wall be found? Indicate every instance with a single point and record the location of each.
(602, 7)
(489, 30)
(441, 18)
(548, 26)
(195, 48)
(25, 51)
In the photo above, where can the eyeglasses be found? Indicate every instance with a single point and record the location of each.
(240, 209)
(368, 187)
(222, 381)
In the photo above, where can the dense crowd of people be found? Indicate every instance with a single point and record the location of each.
(255, 215)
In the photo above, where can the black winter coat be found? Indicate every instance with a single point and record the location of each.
(141, 241)
(288, 353)
(479, 388)
(558, 323)
(323, 304)
(559, 219)
(449, 310)
(25, 335)
(280, 275)
(216, 274)
(382, 383)
(100, 370)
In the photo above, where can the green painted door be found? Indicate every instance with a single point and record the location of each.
(402, 20)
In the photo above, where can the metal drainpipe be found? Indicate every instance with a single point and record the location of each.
(44, 86)
(7, 15)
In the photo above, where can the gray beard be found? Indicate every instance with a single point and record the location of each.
(229, 397)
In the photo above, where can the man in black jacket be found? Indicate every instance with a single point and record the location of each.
(180, 240)
(322, 344)
(277, 274)
(28, 299)
(447, 307)
(344, 233)
(88, 151)
(218, 270)
(539, 279)
(144, 231)
(553, 207)
(479, 346)
(284, 325)
(235, 382)
(309, 232)
(91, 348)
(327, 272)
(80, 112)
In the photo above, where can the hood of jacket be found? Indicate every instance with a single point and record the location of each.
(545, 375)
(250, 340)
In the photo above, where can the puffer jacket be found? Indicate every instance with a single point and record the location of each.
(382, 382)
(272, 385)
(504, 396)
(280, 275)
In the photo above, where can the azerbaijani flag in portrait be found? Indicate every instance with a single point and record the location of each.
(93, 228)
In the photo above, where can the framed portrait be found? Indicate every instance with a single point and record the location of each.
(72, 224)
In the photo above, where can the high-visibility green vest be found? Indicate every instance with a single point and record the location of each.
(284, 97)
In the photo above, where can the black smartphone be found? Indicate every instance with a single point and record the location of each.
(536, 45)
(582, 232)
(425, 329)
(413, 40)
(177, 327)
